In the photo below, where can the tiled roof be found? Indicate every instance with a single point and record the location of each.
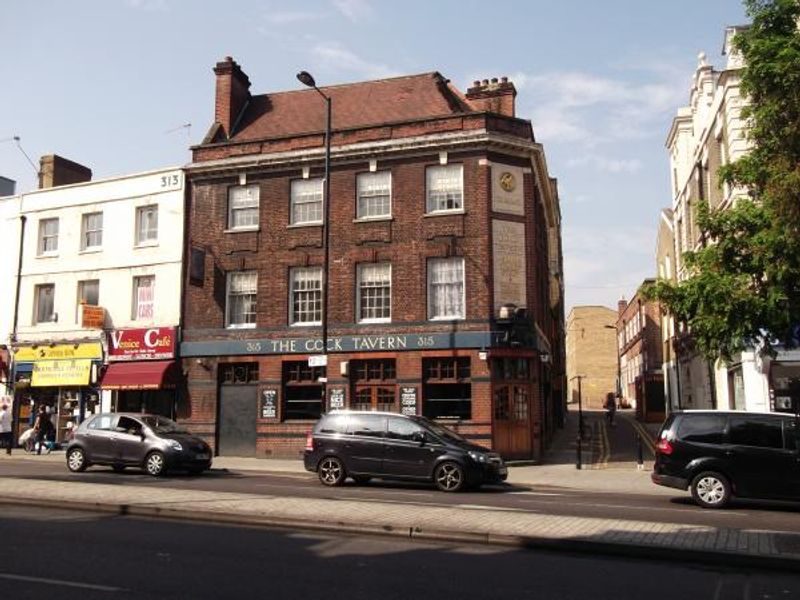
(362, 104)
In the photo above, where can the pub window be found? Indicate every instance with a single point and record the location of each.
(374, 293)
(243, 204)
(444, 188)
(305, 300)
(447, 388)
(511, 369)
(238, 373)
(306, 202)
(374, 385)
(374, 192)
(302, 391)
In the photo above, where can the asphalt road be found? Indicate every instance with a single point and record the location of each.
(544, 500)
(69, 554)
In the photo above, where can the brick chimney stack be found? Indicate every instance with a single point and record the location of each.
(233, 94)
(493, 96)
(55, 170)
(622, 304)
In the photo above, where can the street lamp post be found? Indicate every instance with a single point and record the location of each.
(579, 447)
(308, 80)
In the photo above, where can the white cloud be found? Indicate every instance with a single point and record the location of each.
(354, 10)
(287, 17)
(148, 5)
(605, 164)
(335, 56)
(602, 264)
(574, 106)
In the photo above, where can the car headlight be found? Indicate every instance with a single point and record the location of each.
(479, 457)
(175, 445)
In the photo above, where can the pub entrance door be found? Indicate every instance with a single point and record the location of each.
(512, 421)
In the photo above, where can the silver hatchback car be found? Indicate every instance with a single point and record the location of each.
(122, 440)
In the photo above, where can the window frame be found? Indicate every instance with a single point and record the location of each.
(293, 321)
(37, 295)
(138, 239)
(432, 210)
(41, 249)
(367, 175)
(296, 183)
(254, 206)
(86, 232)
(430, 301)
(80, 296)
(135, 300)
(359, 291)
(298, 375)
(228, 279)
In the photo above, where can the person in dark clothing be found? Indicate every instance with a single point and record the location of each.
(611, 407)
(42, 428)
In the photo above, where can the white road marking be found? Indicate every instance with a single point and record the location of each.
(61, 582)
(534, 494)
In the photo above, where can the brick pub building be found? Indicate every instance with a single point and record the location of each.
(445, 289)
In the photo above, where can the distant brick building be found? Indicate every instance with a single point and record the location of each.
(591, 354)
(443, 219)
(640, 356)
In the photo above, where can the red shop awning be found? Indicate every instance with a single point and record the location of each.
(143, 375)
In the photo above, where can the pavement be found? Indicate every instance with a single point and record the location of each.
(731, 546)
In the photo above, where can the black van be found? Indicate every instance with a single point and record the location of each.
(363, 445)
(719, 454)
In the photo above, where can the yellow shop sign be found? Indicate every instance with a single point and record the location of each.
(54, 373)
(58, 352)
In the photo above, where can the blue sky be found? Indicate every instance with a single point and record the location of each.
(109, 84)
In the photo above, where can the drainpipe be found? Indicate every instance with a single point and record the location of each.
(22, 220)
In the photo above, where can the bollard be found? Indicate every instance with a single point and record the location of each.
(639, 453)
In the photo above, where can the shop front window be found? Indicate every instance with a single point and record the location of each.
(302, 391)
(374, 385)
(447, 388)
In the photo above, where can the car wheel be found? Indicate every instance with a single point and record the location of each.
(331, 471)
(118, 468)
(155, 464)
(362, 479)
(76, 460)
(449, 477)
(711, 490)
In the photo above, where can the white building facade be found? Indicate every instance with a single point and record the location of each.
(101, 267)
(705, 135)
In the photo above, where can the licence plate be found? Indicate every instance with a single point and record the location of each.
(203, 456)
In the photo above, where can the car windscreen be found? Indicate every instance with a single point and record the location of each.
(442, 432)
(162, 424)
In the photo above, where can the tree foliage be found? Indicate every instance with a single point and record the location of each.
(743, 285)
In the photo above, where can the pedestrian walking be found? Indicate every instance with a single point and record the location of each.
(42, 428)
(611, 407)
(6, 435)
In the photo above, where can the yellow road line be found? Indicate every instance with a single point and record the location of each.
(645, 435)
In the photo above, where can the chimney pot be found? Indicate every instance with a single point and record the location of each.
(494, 79)
(504, 79)
(476, 83)
(485, 82)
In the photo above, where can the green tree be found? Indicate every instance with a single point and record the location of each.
(743, 285)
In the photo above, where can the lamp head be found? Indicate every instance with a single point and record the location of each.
(306, 78)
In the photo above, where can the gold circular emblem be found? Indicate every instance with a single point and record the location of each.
(507, 181)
